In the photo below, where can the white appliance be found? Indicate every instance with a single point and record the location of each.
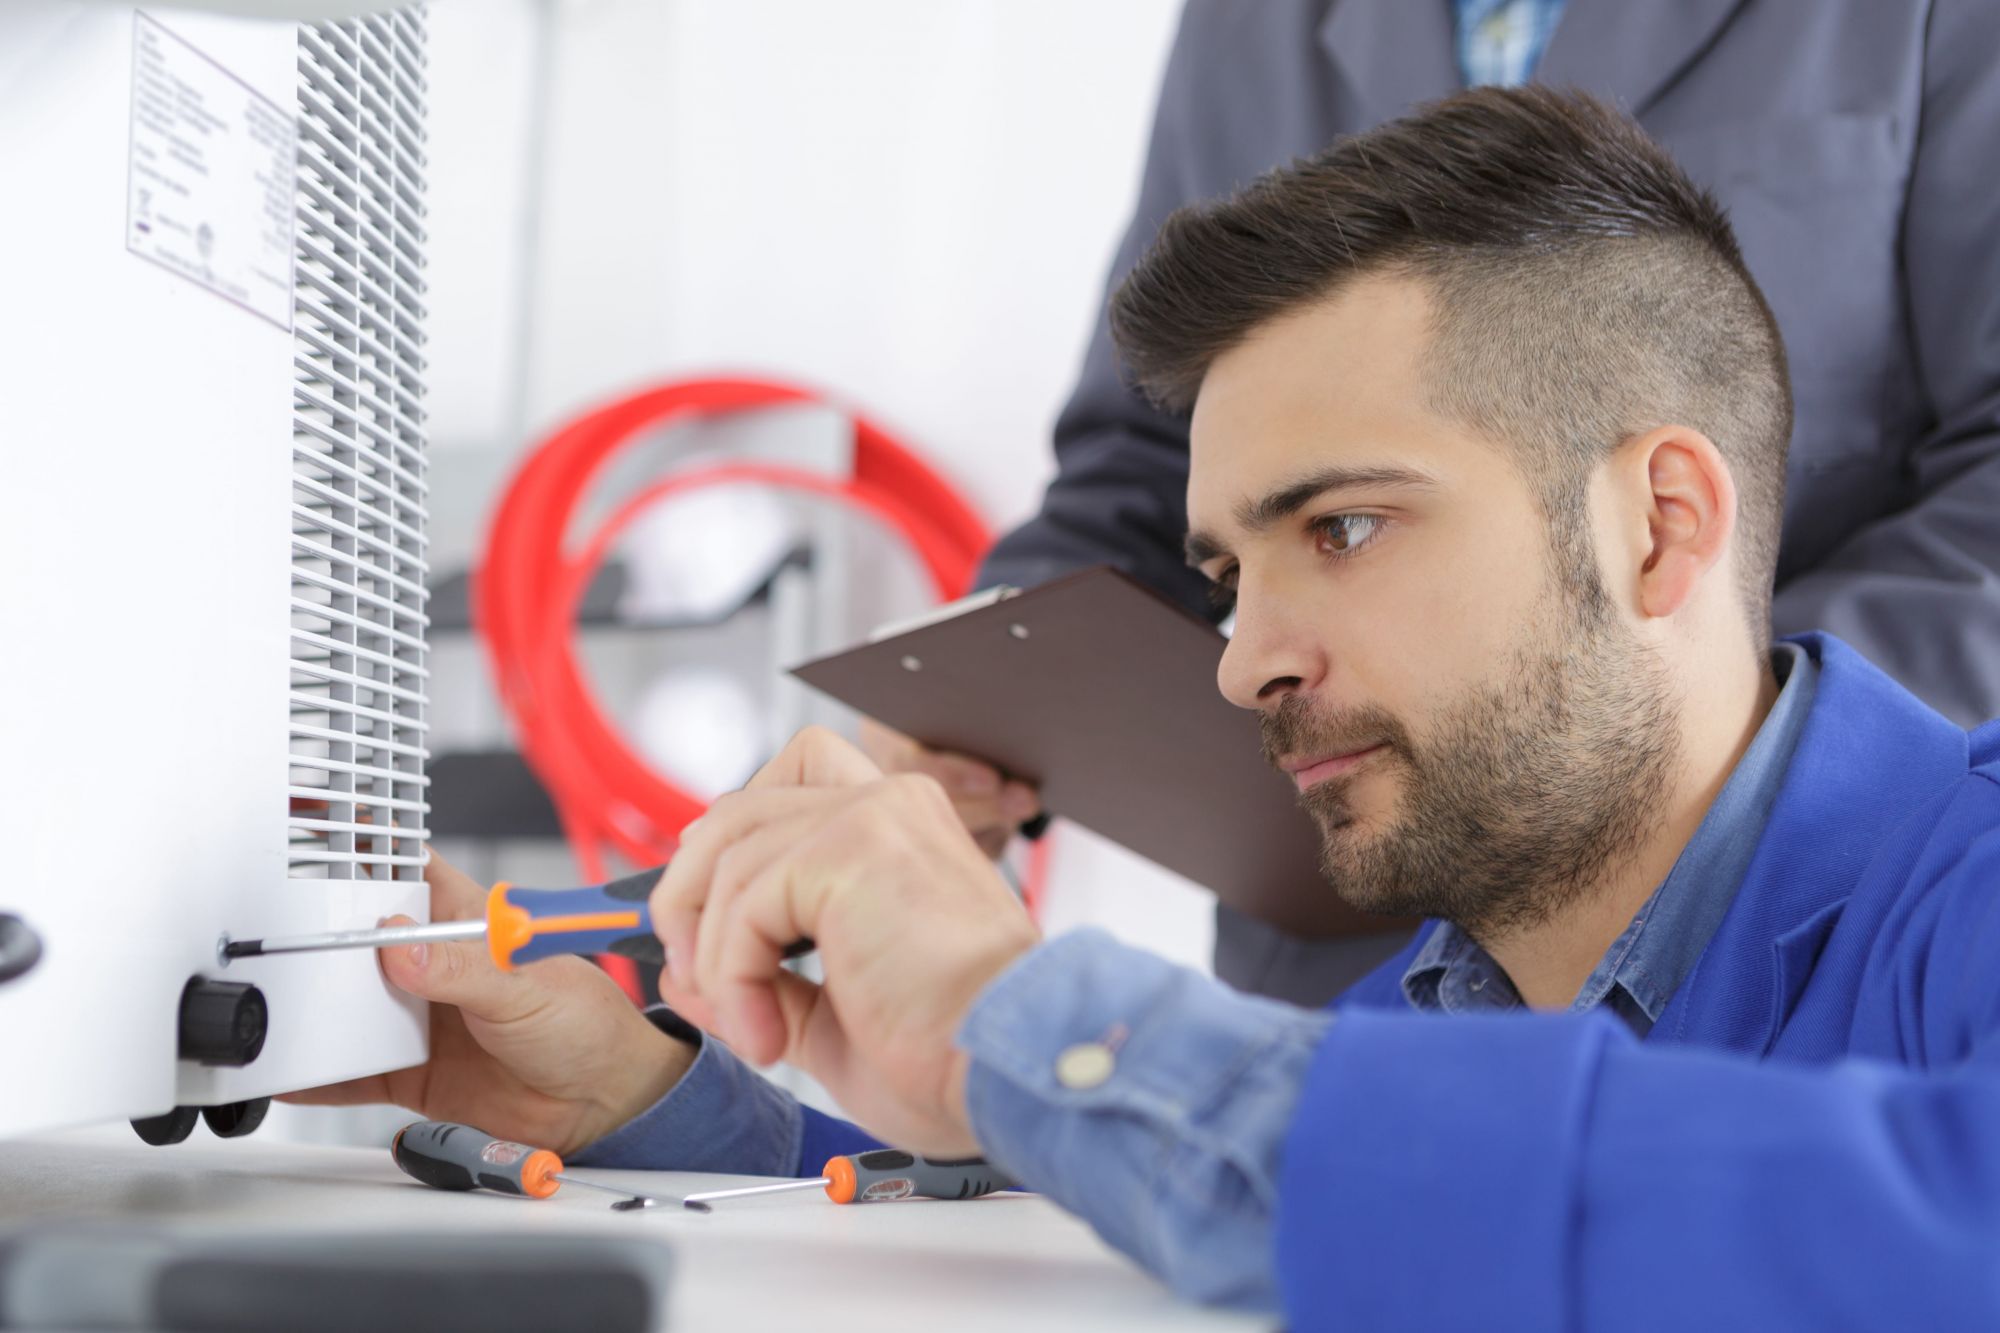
(212, 568)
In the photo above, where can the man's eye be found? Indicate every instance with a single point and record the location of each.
(1222, 591)
(1344, 534)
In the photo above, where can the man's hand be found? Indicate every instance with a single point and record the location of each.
(553, 1055)
(911, 919)
(989, 805)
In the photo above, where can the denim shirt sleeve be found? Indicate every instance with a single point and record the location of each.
(1170, 1149)
(723, 1116)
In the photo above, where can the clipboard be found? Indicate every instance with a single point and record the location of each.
(1103, 694)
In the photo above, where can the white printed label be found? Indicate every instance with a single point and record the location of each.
(212, 175)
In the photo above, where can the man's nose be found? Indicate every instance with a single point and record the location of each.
(1269, 655)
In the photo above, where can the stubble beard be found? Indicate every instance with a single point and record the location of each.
(1520, 797)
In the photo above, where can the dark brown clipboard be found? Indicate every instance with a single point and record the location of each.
(1104, 694)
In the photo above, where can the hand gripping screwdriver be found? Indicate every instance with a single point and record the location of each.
(520, 926)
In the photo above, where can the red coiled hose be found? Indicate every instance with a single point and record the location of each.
(532, 576)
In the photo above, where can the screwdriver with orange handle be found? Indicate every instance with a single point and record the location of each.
(446, 1156)
(458, 1157)
(881, 1174)
(520, 926)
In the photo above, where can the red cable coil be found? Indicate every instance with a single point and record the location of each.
(527, 588)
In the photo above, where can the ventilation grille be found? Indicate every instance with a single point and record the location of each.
(358, 661)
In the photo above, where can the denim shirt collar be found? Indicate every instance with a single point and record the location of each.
(1643, 967)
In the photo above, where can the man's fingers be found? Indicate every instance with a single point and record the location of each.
(1020, 802)
(775, 1019)
(678, 898)
(738, 865)
(960, 775)
(742, 976)
(816, 757)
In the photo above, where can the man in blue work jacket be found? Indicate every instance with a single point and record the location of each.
(1488, 437)
(1851, 142)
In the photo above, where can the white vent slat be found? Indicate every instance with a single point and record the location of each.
(344, 287)
(341, 560)
(359, 668)
(338, 307)
(324, 766)
(331, 180)
(357, 798)
(410, 504)
(399, 443)
(315, 370)
(359, 827)
(370, 864)
(316, 667)
(406, 359)
(386, 629)
(313, 703)
(341, 270)
(306, 522)
(313, 589)
(315, 677)
(304, 576)
(410, 486)
(314, 731)
(322, 669)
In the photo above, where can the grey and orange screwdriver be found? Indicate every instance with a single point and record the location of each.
(520, 926)
(879, 1175)
(458, 1157)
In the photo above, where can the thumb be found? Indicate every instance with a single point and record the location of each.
(458, 973)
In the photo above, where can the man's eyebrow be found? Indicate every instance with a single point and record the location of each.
(1281, 502)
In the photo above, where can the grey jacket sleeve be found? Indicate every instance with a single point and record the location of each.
(1119, 497)
(1918, 591)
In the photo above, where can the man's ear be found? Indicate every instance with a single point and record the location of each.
(1681, 515)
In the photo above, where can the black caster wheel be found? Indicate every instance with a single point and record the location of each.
(173, 1127)
(236, 1119)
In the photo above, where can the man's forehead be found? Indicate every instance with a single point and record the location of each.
(1332, 384)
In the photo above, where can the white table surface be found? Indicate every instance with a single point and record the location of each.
(789, 1261)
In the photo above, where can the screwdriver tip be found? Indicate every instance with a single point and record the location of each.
(696, 1206)
(242, 948)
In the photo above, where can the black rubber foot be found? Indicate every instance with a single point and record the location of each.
(173, 1127)
(236, 1119)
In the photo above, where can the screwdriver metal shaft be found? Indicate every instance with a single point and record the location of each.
(378, 937)
(520, 926)
(701, 1201)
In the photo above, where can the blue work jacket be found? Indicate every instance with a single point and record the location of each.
(1808, 1138)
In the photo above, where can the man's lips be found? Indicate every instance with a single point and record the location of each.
(1310, 772)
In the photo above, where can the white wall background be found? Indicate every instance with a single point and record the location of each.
(908, 202)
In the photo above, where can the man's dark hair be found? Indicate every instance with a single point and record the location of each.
(1584, 291)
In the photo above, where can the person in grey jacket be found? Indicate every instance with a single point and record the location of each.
(1853, 144)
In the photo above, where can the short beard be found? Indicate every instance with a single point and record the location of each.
(1522, 796)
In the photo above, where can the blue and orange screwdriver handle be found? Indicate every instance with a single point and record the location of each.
(526, 925)
(520, 926)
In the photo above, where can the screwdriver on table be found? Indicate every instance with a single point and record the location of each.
(880, 1175)
(520, 926)
(458, 1157)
